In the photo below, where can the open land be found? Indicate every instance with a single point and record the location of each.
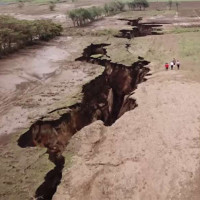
(150, 152)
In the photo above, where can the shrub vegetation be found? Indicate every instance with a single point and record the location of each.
(52, 5)
(15, 34)
(138, 4)
(82, 16)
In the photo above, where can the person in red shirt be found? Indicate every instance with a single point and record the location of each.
(166, 66)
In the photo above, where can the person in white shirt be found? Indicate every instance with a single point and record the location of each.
(172, 65)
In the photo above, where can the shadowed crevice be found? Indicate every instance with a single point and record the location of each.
(106, 98)
(139, 29)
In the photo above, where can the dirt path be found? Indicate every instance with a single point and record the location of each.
(150, 153)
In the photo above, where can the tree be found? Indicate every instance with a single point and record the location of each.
(119, 5)
(145, 4)
(106, 9)
(131, 5)
(20, 4)
(141, 4)
(82, 16)
(177, 5)
(52, 5)
(15, 34)
(169, 3)
(73, 17)
(95, 12)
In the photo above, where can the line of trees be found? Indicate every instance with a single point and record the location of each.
(138, 4)
(82, 16)
(170, 4)
(113, 7)
(15, 34)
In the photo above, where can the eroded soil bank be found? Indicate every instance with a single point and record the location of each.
(151, 152)
(23, 103)
(105, 98)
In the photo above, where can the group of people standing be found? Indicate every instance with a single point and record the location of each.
(173, 63)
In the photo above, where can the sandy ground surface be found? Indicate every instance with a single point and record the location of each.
(154, 155)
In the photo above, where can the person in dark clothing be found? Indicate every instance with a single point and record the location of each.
(178, 64)
(174, 61)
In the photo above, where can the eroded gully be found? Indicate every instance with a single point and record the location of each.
(105, 98)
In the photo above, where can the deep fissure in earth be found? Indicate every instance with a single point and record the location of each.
(105, 98)
(139, 29)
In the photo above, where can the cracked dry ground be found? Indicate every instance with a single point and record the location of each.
(151, 152)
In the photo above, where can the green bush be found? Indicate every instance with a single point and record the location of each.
(82, 16)
(170, 3)
(95, 12)
(131, 5)
(15, 34)
(140, 4)
(52, 5)
(114, 7)
(20, 4)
